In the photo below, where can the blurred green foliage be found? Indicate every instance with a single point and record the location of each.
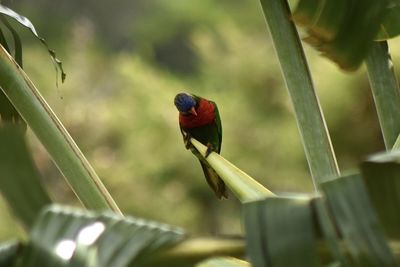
(126, 60)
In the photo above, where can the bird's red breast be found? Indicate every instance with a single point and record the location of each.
(205, 115)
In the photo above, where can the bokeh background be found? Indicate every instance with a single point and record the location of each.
(125, 61)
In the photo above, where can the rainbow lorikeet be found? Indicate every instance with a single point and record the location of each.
(199, 118)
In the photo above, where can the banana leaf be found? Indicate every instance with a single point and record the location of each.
(64, 236)
(342, 30)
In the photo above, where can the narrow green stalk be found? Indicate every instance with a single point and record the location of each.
(54, 137)
(385, 91)
(242, 185)
(315, 137)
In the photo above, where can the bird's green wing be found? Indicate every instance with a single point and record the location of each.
(219, 125)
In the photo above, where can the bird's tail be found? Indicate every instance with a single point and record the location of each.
(214, 181)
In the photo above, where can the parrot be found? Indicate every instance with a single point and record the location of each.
(199, 118)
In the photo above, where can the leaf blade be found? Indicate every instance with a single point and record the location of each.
(310, 120)
(341, 30)
(65, 236)
(281, 231)
(28, 24)
(385, 91)
(381, 172)
(357, 222)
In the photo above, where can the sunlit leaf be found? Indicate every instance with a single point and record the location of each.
(342, 30)
(28, 24)
(70, 237)
(356, 221)
(20, 181)
(382, 172)
(280, 232)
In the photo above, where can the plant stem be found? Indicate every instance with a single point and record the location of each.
(315, 137)
(52, 134)
(385, 91)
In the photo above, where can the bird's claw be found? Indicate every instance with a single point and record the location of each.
(186, 140)
(209, 150)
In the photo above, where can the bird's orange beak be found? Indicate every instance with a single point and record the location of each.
(193, 111)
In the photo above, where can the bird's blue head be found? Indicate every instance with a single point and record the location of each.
(185, 103)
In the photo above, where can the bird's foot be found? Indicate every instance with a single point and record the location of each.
(186, 140)
(210, 149)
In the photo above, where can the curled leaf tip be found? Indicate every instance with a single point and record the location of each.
(28, 24)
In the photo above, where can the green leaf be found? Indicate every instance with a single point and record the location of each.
(20, 181)
(70, 237)
(9, 252)
(28, 24)
(3, 41)
(324, 19)
(17, 41)
(8, 113)
(223, 262)
(385, 91)
(314, 133)
(381, 173)
(280, 232)
(329, 232)
(390, 26)
(342, 30)
(354, 216)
